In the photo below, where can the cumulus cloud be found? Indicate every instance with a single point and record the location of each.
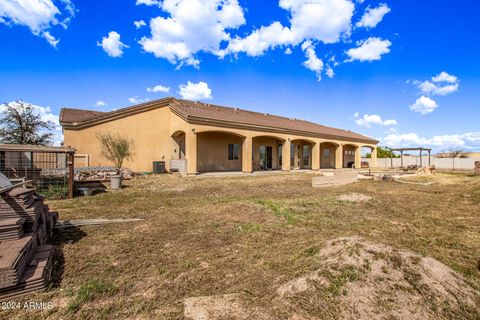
(288, 51)
(112, 45)
(38, 15)
(368, 120)
(159, 88)
(313, 62)
(469, 140)
(369, 50)
(441, 84)
(137, 100)
(140, 23)
(424, 105)
(195, 91)
(373, 16)
(190, 27)
(320, 20)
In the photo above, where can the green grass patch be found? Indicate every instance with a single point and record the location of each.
(90, 291)
(279, 210)
(250, 227)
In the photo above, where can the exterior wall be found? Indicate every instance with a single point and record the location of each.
(160, 135)
(440, 163)
(150, 132)
(212, 152)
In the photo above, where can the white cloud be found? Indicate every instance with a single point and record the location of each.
(261, 40)
(45, 114)
(158, 88)
(424, 105)
(372, 119)
(322, 20)
(329, 72)
(112, 45)
(149, 2)
(445, 77)
(192, 26)
(50, 39)
(469, 140)
(373, 16)
(140, 23)
(137, 100)
(195, 91)
(288, 51)
(369, 50)
(441, 84)
(100, 103)
(313, 62)
(38, 15)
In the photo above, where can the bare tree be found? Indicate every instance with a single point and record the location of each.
(116, 148)
(20, 124)
(459, 153)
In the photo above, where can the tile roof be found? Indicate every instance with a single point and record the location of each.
(193, 111)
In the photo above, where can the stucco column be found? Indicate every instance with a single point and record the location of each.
(373, 159)
(191, 151)
(316, 156)
(339, 157)
(247, 155)
(358, 157)
(286, 155)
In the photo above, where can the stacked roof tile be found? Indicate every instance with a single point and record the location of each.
(26, 225)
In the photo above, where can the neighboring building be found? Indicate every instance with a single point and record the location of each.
(203, 137)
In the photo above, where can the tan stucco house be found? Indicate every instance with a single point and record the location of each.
(197, 137)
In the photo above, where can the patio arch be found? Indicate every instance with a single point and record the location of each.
(328, 154)
(301, 153)
(267, 152)
(349, 155)
(219, 150)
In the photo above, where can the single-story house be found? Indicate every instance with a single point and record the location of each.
(198, 137)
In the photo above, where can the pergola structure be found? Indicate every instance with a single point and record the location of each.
(401, 150)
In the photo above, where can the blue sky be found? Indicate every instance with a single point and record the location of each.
(405, 72)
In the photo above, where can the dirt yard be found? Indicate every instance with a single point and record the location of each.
(270, 247)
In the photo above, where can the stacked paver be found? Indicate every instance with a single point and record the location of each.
(26, 226)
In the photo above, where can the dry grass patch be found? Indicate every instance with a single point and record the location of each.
(249, 235)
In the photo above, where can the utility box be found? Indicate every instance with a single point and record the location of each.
(159, 167)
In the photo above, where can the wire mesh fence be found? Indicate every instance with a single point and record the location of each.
(50, 169)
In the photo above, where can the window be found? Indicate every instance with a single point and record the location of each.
(326, 153)
(306, 155)
(280, 155)
(263, 156)
(233, 151)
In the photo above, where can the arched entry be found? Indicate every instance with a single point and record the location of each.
(301, 154)
(219, 151)
(328, 152)
(178, 141)
(266, 153)
(348, 153)
(368, 158)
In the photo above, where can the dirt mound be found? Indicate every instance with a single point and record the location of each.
(375, 281)
(354, 197)
(357, 279)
